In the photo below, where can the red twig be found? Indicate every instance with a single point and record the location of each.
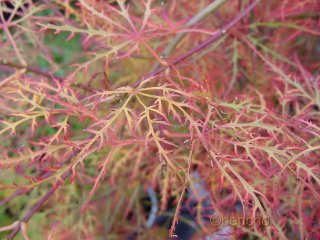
(37, 206)
(202, 45)
(31, 70)
(13, 195)
(31, 212)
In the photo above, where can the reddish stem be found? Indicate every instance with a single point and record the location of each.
(18, 192)
(202, 45)
(31, 69)
(31, 212)
(42, 200)
(34, 209)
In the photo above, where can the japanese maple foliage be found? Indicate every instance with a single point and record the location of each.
(110, 109)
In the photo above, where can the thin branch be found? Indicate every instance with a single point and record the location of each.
(184, 188)
(194, 20)
(18, 192)
(35, 208)
(202, 45)
(30, 69)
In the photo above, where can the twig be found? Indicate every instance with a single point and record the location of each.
(31, 212)
(34, 209)
(13, 195)
(184, 188)
(42, 200)
(194, 20)
(202, 45)
(30, 69)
